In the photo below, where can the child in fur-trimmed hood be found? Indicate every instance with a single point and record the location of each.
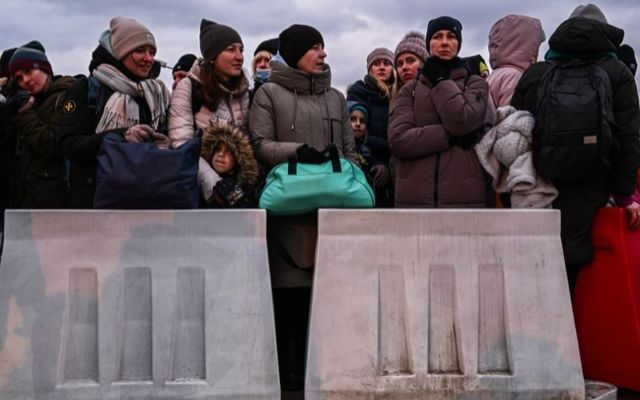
(230, 154)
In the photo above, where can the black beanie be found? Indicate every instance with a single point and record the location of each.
(215, 37)
(628, 57)
(270, 45)
(444, 23)
(184, 63)
(295, 41)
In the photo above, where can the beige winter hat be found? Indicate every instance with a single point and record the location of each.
(127, 34)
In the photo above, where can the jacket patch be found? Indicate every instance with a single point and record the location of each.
(69, 106)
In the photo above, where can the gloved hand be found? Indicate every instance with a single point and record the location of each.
(380, 175)
(227, 194)
(309, 155)
(467, 140)
(436, 70)
(20, 101)
(139, 133)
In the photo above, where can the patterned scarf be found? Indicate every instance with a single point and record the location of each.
(121, 110)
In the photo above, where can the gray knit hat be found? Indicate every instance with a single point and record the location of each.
(216, 37)
(590, 11)
(127, 34)
(413, 42)
(380, 53)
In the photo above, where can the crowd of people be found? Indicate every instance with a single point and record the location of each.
(430, 129)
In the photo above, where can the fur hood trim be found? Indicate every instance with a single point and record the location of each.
(238, 144)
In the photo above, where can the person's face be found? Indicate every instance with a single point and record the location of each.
(358, 124)
(178, 76)
(32, 80)
(223, 161)
(408, 65)
(228, 64)
(381, 69)
(140, 61)
(313, 60)
(444, 45)
(262, 62)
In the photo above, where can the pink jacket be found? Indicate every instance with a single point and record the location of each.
(514, 41)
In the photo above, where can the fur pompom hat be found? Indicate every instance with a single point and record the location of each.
(413, 42)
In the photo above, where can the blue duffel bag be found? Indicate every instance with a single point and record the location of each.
(144, 176)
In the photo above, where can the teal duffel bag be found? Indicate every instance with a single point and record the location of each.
(296, 188)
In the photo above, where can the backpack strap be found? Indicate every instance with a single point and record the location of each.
(93, 85)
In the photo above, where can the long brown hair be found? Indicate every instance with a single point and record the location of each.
(212, 94)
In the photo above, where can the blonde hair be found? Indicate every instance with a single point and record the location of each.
(387, 89)
(254, 61)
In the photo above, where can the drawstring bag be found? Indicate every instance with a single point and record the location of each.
(293, 187)
(144, 176)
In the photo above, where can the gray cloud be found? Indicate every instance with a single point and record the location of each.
(70, 29)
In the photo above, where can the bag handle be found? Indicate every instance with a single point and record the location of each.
(334, 157)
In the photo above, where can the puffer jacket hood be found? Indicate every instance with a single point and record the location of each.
(238, 144)
(585, 36)
(514, 41)
(299, 81)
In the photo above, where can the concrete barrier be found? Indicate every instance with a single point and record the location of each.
(136, 305)
(441, 304)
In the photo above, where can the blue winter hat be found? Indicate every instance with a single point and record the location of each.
(357, 106)
(444, 23)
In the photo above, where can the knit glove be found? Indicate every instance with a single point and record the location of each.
(227, 194)
(436, 71)
(309, 155)
(19, 102)
(139, 133)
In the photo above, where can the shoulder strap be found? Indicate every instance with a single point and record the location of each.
(196, 95)
(93, 85)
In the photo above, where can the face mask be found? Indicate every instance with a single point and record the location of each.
(262, 75)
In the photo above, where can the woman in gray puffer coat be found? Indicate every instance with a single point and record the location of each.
(434, 124)
(296, 112)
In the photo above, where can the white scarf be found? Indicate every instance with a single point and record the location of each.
(121, 110)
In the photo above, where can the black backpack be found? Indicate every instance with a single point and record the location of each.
(573, 134)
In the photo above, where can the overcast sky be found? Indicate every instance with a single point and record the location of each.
(69, 29)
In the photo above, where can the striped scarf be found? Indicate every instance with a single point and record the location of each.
(121, 110)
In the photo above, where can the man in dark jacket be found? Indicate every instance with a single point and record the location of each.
(586, 35)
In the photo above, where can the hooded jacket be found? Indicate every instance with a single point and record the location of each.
(429, 171)
(292, 109)
(296, 108)
(513, 46)
(586, 38)
(246, 171)
(43, 181)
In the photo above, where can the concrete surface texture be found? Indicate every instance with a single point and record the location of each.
(136, 305)
(441, 304)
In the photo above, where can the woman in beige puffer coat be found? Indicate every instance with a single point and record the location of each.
(216, 91)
